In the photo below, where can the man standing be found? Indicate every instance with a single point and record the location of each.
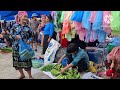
(34, 23)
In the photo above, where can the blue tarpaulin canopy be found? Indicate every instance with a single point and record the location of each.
(9, 15)
(42, 12)
(8, 18)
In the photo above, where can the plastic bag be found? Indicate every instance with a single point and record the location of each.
(25, 51)
(37, 63)
(51, 52)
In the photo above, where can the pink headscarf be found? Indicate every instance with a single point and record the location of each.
(20, 14)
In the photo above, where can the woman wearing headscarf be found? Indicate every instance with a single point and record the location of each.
(21, 31)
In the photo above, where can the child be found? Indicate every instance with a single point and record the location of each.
(80, 58)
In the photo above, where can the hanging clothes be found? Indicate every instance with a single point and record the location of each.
(92, 36)
(59, 13)
(68, 15)
(97, 25)
(101, 35)
(95, 35)
(53, 14)
(73, 33)
(85, 20)
(87, 36)
(115, 22)
(58, 24)
(66, 27)
(92, 17)
(82, 34)
(77, 16)
(77, 25)
(55, 19)
(70, 35)
(66, 23)
(107, 21)
(62, 16)
(80, 31)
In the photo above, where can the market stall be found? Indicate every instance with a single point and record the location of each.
(88, 27)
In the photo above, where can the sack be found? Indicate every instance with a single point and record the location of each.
(25, 51)
(51, 52)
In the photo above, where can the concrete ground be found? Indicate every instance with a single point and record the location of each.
(7, 70)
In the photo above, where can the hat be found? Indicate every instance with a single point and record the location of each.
(34, 15)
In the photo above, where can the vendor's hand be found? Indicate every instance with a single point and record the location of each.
(112, 65)
(58, 63)
(18, 37)
(62, 70)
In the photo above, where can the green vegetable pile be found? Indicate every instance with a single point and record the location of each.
(68, 74)
(47, 67)
(6, 50)
(55, 70)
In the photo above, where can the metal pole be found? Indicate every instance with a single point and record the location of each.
(1, 21)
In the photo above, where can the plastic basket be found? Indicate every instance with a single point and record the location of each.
(37, 63)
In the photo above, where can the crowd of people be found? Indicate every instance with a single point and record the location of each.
(41, 31)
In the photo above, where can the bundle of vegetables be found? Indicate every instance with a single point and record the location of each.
(57, 67)
(6, 50)
(47, 67)
(55, 71)
(68, 74)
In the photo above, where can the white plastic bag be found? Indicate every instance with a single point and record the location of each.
(51, 52)
(90, 75)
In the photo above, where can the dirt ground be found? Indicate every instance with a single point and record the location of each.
(7, 70)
